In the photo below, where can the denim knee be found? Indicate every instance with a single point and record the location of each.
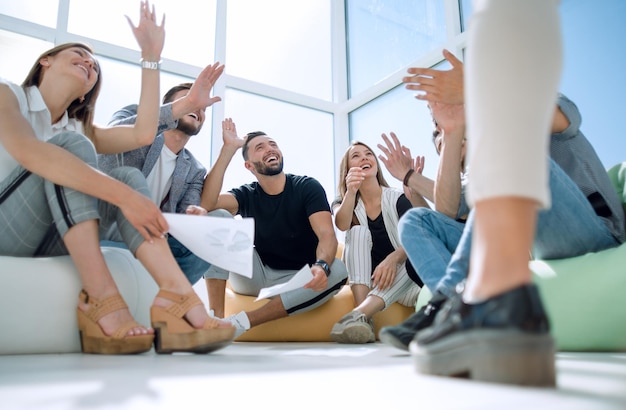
(410, 222)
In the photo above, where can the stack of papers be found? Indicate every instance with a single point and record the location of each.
(227, 243)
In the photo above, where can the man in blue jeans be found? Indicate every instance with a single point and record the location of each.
(585, 216)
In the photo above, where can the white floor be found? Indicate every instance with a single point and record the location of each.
(291, 376)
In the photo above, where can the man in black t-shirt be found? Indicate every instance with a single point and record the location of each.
(293, 228)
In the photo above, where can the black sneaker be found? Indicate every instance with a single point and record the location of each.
(505, 339)
(401, 335)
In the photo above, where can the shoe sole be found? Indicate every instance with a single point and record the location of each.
(497, 356)
(353, 335)
(200, 341)
(390, 339)
(109, 345)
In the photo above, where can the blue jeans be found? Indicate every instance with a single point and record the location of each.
(429, 238)
(192, 266)
(570, 227)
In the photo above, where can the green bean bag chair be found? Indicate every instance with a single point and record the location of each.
(585, 296)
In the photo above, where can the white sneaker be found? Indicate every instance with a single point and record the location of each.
(354, 327)
(240, 321)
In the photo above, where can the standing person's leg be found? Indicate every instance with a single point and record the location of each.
(514, 56)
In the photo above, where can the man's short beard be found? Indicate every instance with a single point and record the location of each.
(188, 129)
(268, 170)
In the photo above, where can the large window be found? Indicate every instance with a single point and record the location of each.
(385, 36)
(42, 12)
(304, 136)
(189, 24)
(281, 43)
(314, 74)
(399, 112)
(23, 50)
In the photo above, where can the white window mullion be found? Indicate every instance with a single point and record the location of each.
(341, 124)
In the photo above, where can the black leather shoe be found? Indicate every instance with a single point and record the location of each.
(505, 339)
(401, 335)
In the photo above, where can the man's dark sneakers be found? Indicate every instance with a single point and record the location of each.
(401, 335)
(505, 339)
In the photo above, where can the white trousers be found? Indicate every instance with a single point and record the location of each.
(512, 73)
(358, 258)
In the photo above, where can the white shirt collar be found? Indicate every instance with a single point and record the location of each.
(36, 103)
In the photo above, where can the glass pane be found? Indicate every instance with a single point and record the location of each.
(19, 53)
(195, 47)
(406, 117)
(385, 35)
(304, 136)
(399, 112)
(466, 10)
(121, 87)
(283, 43)
(42, 12)
(593, 71)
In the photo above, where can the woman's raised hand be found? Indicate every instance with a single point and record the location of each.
(144, 215)
(354, 179)
(149, 35)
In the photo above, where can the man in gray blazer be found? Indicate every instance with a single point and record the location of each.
(175, 177)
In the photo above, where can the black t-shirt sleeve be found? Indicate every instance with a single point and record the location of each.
(315, 199)
(403, 205)
(243, 194)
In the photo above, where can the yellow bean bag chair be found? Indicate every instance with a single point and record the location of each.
(311, 326)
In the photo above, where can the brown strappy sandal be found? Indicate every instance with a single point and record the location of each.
(93, 339)
(173, 333)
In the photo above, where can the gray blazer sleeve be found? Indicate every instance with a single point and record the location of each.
(195, 183)
(128, 115)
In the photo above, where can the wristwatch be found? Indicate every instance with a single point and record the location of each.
(324, 265)
(150, 65)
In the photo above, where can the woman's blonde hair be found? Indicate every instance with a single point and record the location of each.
(83, 111)
(344, 168)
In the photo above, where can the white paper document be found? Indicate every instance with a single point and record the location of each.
(223, 242)
(300, 279)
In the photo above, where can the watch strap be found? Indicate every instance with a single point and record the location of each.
(324, 265)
